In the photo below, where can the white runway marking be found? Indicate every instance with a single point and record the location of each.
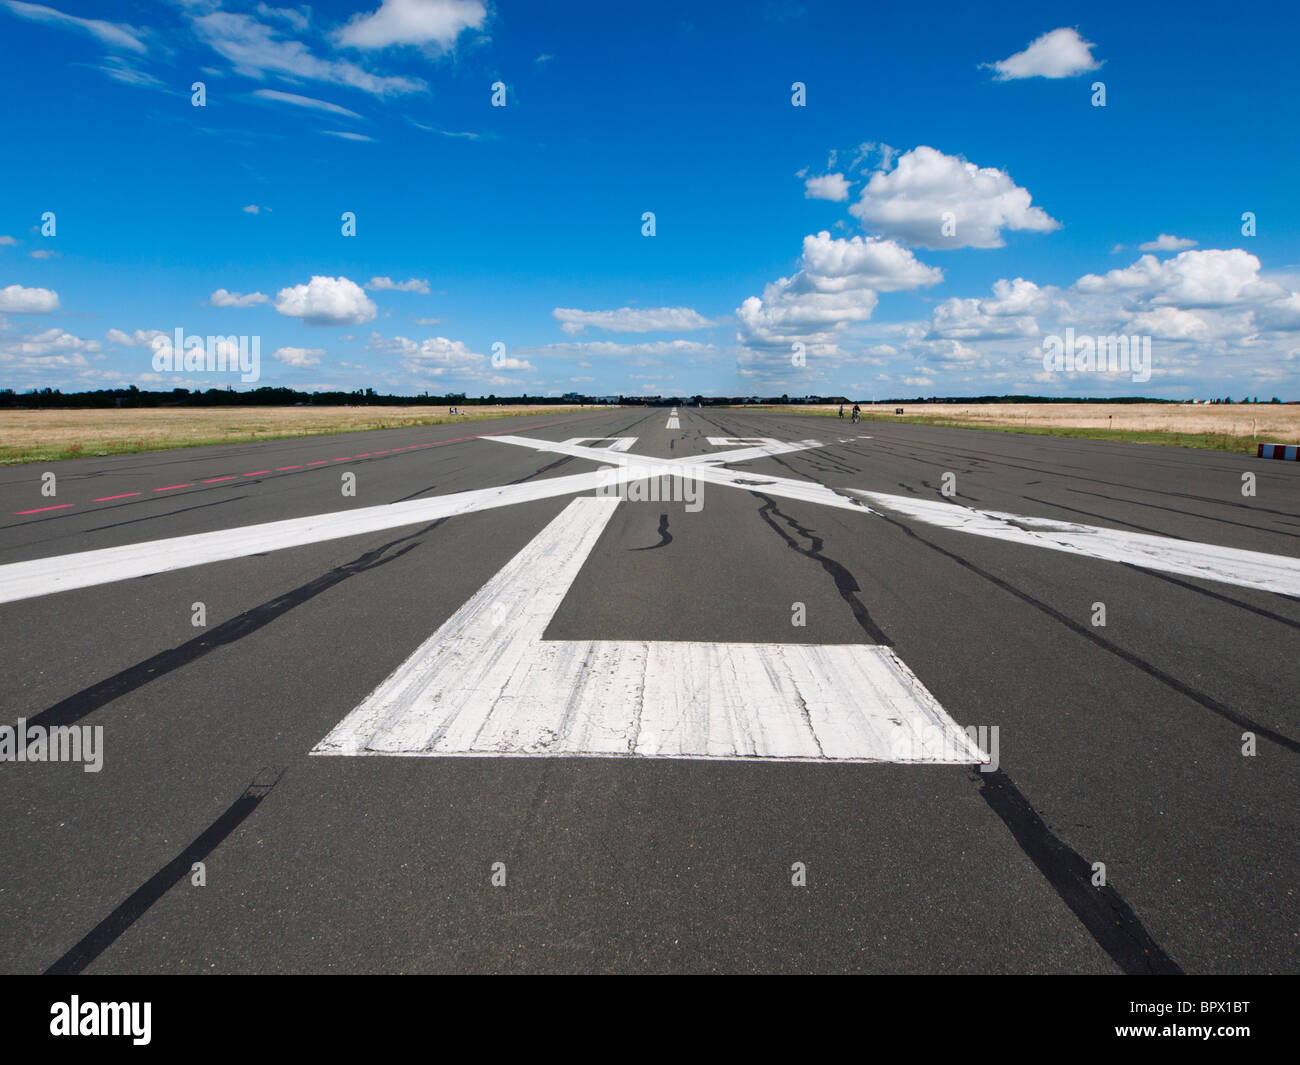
(45, 576)
(487, 683)
(84, 569)
(673, 423)
(616, 443)
(1227, 565)
(707, 468)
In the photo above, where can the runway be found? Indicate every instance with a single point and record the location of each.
(625, 690)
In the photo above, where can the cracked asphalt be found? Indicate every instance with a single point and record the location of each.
(1120, 745)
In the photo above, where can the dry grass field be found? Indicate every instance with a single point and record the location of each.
(1220, 426)
(45, 435)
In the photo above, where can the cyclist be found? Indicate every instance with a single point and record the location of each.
(856, 412)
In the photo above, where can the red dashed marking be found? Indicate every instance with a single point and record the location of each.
(42, 510)
(318, 462)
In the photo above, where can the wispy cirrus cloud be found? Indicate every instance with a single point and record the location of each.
(382, 284)
(255, 50)
(303, 101)
(112, 34)
(1167, 242)
(631, 319)
(223, 298)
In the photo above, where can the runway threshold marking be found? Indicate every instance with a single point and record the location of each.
(487, 683)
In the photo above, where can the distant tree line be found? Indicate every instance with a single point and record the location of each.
(255, 397)
(52, 398)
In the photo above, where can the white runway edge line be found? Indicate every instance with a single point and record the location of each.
(1227, 565)
(486, 683)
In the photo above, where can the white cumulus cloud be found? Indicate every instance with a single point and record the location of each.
(834, 187)
(1059, 54)
(1210, 278)
(1167, 242)
(326, 301)
(301, 357)
(222, 298)
(1169, 323)
(436, 22)
(927, 189)
(836, 285)
(434, 357)
(139, 338)
(54, 342)
(18, 300)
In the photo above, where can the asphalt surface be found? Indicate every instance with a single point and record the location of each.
(1120, 745)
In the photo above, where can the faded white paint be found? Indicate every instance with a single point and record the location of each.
(488, 683)
(1211, 562)
(61, 573)
(45, 576)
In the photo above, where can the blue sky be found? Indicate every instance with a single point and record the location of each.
(947, 199)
